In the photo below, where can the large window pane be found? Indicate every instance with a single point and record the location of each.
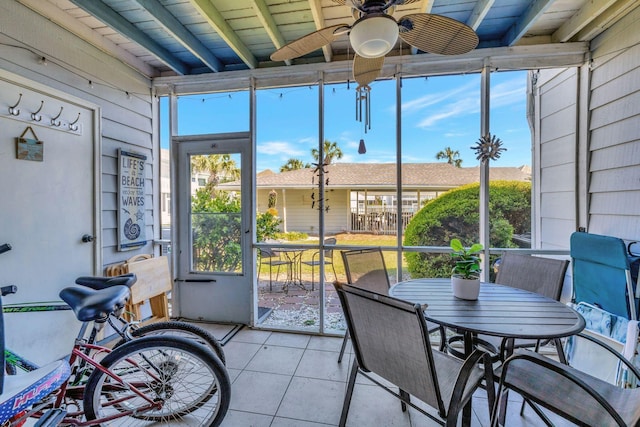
(218, 112)
(287, 212)
(440, 122)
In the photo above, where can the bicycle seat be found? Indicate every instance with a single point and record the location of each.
(95, 305)
(96, 282)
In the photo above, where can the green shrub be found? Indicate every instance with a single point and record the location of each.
(267, 225)
(455, 214)
(216, 223)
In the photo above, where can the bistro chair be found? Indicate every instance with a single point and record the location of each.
(273, 259)
(602, 274)
(566, 391)
(315, 260)
(391, 340)
(544, 276)
(366, 269)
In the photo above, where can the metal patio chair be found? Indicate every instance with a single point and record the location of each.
(391, 340)
(273, 259)
(328, 260)
(568, 392)
(366, 269)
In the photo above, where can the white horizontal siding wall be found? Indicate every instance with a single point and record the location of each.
(294, 208)
(555, 156)
(127, 120)
(614, 167)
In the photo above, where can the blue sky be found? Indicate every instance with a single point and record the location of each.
(437, 112)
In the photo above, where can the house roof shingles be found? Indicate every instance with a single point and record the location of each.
(383, 175)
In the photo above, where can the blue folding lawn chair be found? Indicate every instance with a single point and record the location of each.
(601, 267)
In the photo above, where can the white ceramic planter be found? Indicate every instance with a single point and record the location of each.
(468, 289)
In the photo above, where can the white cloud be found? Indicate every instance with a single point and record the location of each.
(458, 108)
(278, 148)
(509, 92)
(470, 89)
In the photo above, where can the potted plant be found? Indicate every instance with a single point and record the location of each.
(465, 275)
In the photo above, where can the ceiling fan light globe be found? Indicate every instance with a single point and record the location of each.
(374, 36)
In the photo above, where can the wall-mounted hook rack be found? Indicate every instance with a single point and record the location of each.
(55, 121)
(35, 116)
(73, 126)
(14, 110)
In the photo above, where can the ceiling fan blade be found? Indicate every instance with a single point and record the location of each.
(309, 43)
(437, 34)
(366, 70)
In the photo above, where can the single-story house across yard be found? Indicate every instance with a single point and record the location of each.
(361, 197)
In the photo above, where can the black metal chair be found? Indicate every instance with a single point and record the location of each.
(273, 259)
(391, 340)
(328, 260)
(568, 392)
(366, 269)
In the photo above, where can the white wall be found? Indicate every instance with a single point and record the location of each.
(555, 139)
(127, 122)
(587, 142)
(614, 149)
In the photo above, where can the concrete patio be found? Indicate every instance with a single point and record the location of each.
(285, 379)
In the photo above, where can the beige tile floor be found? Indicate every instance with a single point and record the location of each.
(286, 380)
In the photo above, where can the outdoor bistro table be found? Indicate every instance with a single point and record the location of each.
(500, 310)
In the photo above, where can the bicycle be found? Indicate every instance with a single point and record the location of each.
(155, 379)
(130, 330)
(125, 329)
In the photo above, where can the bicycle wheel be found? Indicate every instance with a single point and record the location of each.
(181, 329)
(183, 383)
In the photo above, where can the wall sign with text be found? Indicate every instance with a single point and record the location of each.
(131, 209)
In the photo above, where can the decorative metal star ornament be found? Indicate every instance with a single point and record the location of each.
(488, 148)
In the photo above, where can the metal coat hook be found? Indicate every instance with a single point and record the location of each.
(73, 126)
(34, 115)
(53, 119)
(13, 110)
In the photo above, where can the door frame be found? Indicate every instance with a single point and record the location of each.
(233, 301)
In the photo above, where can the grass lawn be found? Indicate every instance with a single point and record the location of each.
(355, 239)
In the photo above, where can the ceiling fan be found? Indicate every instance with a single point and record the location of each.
(375, 32)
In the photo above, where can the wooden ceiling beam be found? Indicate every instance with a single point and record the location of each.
(224, 30)
(605, 20)
(178, 31)
(527, 19)
(269, 24)
(73, 25)
(479, 12)
(318, 19)
(105, 14)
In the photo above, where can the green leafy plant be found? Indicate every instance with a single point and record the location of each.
(467, 261)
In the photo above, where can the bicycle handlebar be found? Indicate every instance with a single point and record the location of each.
(6, 290)
(5, 247)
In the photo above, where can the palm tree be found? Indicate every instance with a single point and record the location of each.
(451, 155)
(220, 167)
(331, 151)
(293, 164)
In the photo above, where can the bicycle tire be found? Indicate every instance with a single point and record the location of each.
(190, 380)
(182, 329)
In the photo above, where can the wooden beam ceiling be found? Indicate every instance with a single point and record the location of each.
(105, 14)
(175, 28)
(224, 30)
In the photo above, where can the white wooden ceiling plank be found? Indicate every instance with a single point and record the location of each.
(217, 21)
